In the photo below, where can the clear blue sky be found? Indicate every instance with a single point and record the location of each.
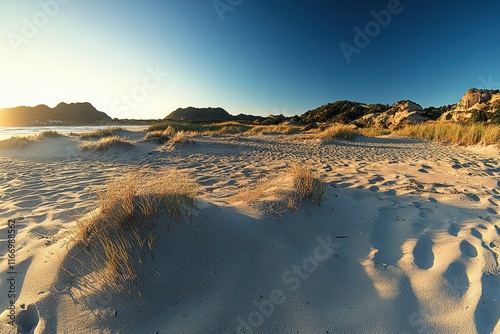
(143, 59)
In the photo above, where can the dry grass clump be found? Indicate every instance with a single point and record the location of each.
(340, 131)
(101, 133)
(274, 129)
(374, 132)
(285, 192)
(160, 135)
(16, 143)
(453, 133)
(184, 137)
(49, 134)
(117, 235)
(106, 143)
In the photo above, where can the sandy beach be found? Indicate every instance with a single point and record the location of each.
(406, 239)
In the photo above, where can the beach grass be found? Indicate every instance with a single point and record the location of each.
(49, 134)
(284, 192)
(453, 133)
(101, 133)
(106, 143)
(118, 234)
(274, 129)
(230, 127)
(347, 132)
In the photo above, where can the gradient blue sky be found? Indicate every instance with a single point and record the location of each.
(264, 57)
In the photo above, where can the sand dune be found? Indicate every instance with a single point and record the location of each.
(406, 240)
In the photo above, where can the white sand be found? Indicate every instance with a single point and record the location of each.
(406, 241)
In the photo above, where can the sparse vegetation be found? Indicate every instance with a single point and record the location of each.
(159, 135)
(117, 234)
(453, 133)
(106, 143)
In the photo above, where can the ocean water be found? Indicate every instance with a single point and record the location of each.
(7, 132)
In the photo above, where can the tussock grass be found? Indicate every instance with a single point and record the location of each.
(274, 129)
(453, 133)
(160, 135)
(284, 192)
(118, 234)
(101, 133)
(347, 132)
(16, 143)
(184, 137)
(106, 143)
(49, 134)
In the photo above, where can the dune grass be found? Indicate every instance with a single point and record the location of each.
(347, 132)
(374, 132)
(101, 133)
(119, 233)
(453, 133)
(213, 128)
(284, 192)
(49, 134)
(274, 129)
(106, 143)
(160, 135)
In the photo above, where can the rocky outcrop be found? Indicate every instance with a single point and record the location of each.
(401, 113)
(475, 96)
(487, 100)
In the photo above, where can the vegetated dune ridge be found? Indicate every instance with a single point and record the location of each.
(406, 239)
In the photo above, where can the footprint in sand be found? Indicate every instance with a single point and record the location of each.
(476, 233)
(468, 249)
(488, 309)
(423, 256)
(457, 278)
(454, 229)
(27, 320)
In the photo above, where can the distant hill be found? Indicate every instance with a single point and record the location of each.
(192, 114)
(342, 112)
(72, 114)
